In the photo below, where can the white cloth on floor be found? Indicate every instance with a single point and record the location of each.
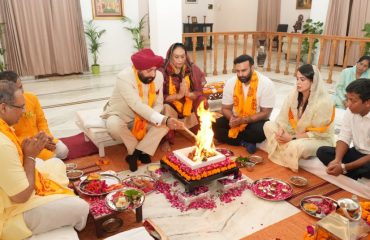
(316, 167)
(133, 234)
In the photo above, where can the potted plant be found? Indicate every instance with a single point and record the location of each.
(310, 27)
(367, 34)
(94, 34)
(2, 50)
(136, 32)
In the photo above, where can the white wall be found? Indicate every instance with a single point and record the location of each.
(165, 24)
(319, 10)
(144, 9)
(235, 15)
(117, 45)
(289, 14)
(230, 15)
(199, 10)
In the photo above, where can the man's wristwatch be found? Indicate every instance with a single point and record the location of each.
(344, 170)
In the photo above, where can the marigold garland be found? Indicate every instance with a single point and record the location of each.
(320, 234)
(365, 211)
(193, 175)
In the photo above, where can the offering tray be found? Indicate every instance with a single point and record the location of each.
(131, 204)
(190, 185)
(110, 181)
(142, 182)
(271, 189)
(318, 206)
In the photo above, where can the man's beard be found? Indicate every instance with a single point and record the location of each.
(246, 79)
(145, 80)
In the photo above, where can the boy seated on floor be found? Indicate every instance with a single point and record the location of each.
(353, 162)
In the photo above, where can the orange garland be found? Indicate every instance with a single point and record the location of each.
(365, 211)
(203, 175)
(140, 124)
(321, 234)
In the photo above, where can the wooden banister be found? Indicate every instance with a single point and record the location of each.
(274, 58)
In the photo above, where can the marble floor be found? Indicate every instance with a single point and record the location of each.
(61, 97)
(227, 221)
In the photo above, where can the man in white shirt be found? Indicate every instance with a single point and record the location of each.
(353, 162)
(247, 103)
(133, 111)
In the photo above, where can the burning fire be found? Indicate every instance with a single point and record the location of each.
(204, 147)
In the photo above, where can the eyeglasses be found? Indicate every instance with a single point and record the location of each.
(15, 106)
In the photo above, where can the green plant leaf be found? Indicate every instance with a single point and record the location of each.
(94, 34)
(311, 27)
(136, 31)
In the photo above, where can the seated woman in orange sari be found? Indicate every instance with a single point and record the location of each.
(182, 87)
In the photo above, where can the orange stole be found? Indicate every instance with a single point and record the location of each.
(321, 129)
(140, 124)
(43, 185)
(185, 108)
(244, 106)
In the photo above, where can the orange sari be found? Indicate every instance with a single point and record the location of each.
(140, 124)
(43, 185)
(244, 106)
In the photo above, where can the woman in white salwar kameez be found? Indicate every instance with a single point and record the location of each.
(304, 123)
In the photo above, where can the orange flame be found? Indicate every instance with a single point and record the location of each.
(204, 146)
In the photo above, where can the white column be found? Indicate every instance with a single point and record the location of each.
(165, 24)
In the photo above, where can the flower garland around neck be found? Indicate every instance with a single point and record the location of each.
(183, 108)
(322, 129)
(244, 106)
(43, 185)
(140, 124)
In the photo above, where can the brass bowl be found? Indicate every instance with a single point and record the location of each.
(248, 165)
(71, 166)
(255, 159)
(298, 181)
(74, 174)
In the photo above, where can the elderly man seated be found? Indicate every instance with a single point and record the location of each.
(133, 111)
(33, 199)
(33, 121)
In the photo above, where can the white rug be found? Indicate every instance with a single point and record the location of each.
(242, 217)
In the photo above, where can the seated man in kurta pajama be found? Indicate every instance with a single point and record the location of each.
(133, 111)
(33, 199)
(33, 121)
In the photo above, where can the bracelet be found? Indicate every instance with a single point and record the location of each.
(344, 170)
(32, 158)
(167, 121)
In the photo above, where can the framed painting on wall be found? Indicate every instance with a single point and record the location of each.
(303, 4)
(107, 9)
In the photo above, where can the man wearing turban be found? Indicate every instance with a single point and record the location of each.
(133, 112)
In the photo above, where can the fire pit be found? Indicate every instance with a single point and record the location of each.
(182, 155)
(197, 165)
